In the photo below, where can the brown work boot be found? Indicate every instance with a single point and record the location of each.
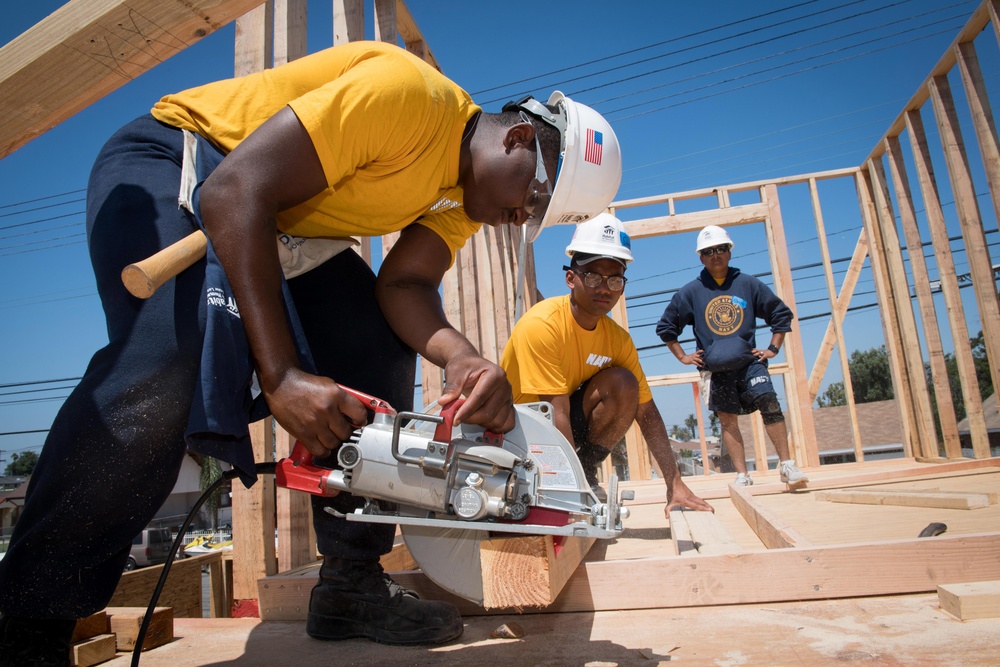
(28, 642)
(357, 599)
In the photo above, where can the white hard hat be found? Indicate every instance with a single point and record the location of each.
(603, 236)
(711, 236)
(589, 170)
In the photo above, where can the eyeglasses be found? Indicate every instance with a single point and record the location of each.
(593, 280)
(717, 250)
(539, 190)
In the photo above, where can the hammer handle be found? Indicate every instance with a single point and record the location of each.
(143, 278)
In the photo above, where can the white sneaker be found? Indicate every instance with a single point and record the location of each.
(743, 479)
(790, 474)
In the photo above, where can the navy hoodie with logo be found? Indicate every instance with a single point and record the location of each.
(724, 317)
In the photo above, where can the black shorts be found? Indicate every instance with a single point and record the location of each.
(736, 392)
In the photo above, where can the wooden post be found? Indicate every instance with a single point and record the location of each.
(255, 40)
(296, 534)
(701, 430)
(635, 444)
(253, 520)
(290, 25)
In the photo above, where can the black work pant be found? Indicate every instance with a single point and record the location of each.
(115, 448)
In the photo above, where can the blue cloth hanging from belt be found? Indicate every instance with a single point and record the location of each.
(224, 403)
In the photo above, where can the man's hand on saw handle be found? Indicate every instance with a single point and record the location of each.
(489, 399)
(316, 410)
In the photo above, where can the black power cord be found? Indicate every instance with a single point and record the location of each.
(259, 469)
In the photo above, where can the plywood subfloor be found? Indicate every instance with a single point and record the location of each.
(903, 630)
(900, 631)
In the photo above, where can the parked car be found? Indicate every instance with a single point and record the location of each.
(150, 547)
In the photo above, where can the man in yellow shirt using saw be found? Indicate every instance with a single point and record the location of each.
(356, 140)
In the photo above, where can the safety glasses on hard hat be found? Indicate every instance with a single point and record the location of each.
(536, 202)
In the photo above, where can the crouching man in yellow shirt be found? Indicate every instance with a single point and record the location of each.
(567, 351)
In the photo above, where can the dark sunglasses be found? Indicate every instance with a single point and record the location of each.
(717, 250)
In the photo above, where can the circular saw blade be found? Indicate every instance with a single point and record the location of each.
(449, 556)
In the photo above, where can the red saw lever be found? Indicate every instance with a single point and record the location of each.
(442, 433)
(297, 472)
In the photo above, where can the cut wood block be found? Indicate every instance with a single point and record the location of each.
(93, 651)
(938, 499)
(700, 533)
(977, 599)
(530, 571)
(93, 625)
(126, 621)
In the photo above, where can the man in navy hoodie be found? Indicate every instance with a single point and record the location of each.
(723, 306)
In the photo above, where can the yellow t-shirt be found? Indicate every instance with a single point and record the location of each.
(387, 128)
(549, 353)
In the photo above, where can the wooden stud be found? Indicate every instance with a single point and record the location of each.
(254, 50)
(803, 445)
(949, 283)
(290, 24)
(886, 567)
(836, 326)
(922, 286)
(887, 307)
(910, 352)
(253, 520)
(348, 21)
(772, 530)
(700, 533)
(296, 534)
(976, 248)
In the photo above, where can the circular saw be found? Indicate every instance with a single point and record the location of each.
(457, 485)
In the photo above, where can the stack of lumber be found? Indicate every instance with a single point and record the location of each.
(100, 636)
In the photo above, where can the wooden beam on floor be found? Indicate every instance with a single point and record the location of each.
(772, 530)
(941, 499)
(700, 533)
(887, 567)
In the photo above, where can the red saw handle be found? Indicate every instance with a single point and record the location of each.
(297, 472)
(442, 433)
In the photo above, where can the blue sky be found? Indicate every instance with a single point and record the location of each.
(700, 94)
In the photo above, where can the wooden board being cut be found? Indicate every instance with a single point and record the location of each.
(529, 571)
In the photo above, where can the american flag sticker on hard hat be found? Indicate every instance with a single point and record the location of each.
(595, 144)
